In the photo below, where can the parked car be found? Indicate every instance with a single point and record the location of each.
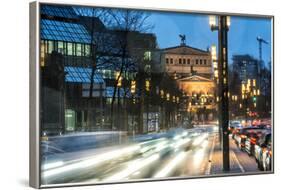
(241, 136)
(263, 152)
(252, 139)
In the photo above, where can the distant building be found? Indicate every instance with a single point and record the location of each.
(193, 70)
(246, 67)
(183, 61)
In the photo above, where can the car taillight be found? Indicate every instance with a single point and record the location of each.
(253, 140)
(243, 136)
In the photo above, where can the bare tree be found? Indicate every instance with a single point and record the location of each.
(126, 24)
(101, 53)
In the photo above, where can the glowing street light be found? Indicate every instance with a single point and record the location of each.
(168, 96)
(228, 22)
(213, 22)
(147, 85)
(119, 82)
(162, 93)
(133, 86)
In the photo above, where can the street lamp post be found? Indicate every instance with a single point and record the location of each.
(222, 28)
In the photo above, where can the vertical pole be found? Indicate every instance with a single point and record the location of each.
(223, 87)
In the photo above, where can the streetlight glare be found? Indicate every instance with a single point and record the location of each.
(212, 20)
(228, 21)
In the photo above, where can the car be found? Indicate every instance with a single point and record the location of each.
(241, 136)
(252, 139)
(263, 152)
(234, 127)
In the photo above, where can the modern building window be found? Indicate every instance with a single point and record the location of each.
(78, 50)
(167, 60)
(50, 46)
(60, 47)
(69, 49)
(171, 61)
(87, 50)
(179, 60)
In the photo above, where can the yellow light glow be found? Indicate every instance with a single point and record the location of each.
(168, 96)
(119, 82)
(212, 20)
(214, 52)
(147, 85)
(133, 86)
(243, 88)
(162, 93)
(228, 21)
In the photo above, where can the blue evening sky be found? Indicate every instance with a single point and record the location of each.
(241, 40)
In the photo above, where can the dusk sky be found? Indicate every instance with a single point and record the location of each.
(242, 34)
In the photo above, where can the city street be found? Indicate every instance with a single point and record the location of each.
(175, 153)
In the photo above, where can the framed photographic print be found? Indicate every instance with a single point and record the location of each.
(122, 94)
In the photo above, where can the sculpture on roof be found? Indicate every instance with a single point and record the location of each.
(183, 38)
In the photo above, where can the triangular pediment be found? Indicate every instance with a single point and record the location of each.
(195, 78)
(185, 50)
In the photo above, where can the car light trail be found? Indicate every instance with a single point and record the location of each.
(199, 139)
(181, 142)
(95, 160)
(171, 165)
(52, 165)
(134, 167)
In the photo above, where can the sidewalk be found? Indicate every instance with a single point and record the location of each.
(215, 159)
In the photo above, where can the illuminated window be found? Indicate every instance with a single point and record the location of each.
(69, 49)
(78, 50)
(147, 55)
(60, 47)
(87, 50)
(50, 46)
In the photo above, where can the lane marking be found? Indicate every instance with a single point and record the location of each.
(236, 159)
(208, 170)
